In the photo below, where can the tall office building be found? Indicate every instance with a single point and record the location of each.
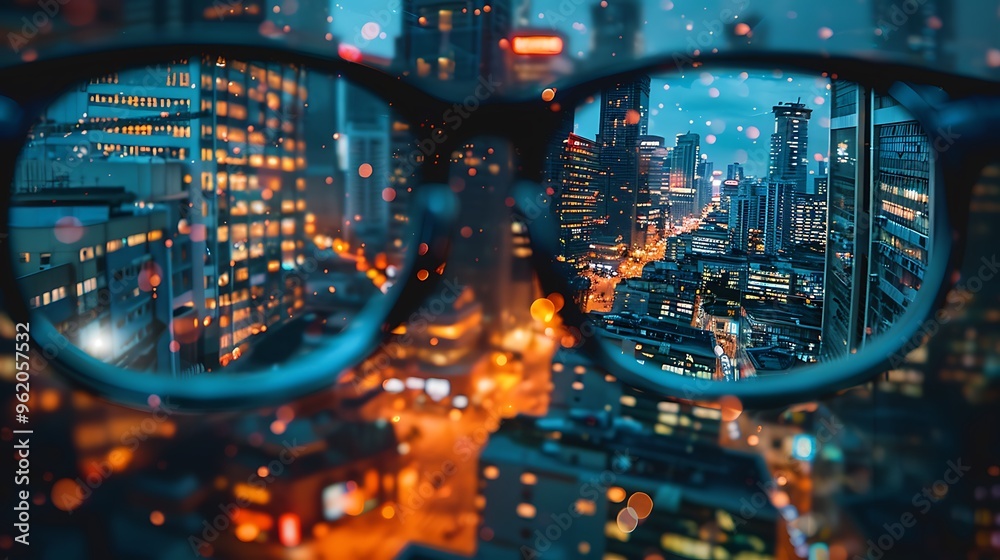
(654, 175)
(236, 131)
(760, 218)
(746, 223)
(808, 222)
(683, 168)
(848, 201)
(704, 179)
(577, 197)
(624, 119)
(454, 39)
(367, 130)
(777, 197)
(824, 167)
(789, 144)
(903, 164)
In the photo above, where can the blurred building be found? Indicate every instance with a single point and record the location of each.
(367, 130)
(616, 31)
(558, 486)
(455, 39)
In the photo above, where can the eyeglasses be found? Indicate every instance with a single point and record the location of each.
(235, 226)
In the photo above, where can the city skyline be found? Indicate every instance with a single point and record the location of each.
(722, 265)
(740, 103)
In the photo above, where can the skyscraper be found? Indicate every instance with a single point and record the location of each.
(873, 271)
(789, 144)
(624, 118)
(654, 174)
(848, 202)
(808, 223)
(577, 196)
(901, 208)
(734, 172)
(366, 126)
(777, 218)
(704, 175)
(235, 132)
(454, 39)
(824, 168)
(683, 189)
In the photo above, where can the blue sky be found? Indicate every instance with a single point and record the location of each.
(728, 122)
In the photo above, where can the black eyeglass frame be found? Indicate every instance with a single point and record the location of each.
(964, 107)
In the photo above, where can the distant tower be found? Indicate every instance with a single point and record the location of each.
(789, 144)
(777, 218)
(683, 165)
(705, 170)
(734, 172)
(654, 174)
